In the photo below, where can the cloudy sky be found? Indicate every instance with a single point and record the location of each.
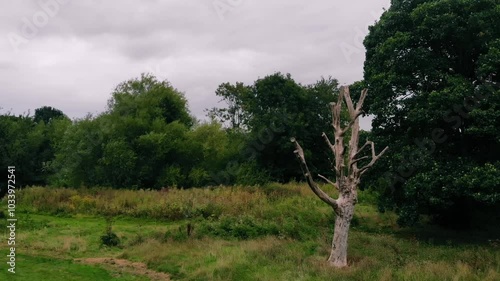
(71, 54)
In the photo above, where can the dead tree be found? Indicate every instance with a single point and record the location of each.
(346, 170)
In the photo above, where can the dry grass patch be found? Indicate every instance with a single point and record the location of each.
(73, 244)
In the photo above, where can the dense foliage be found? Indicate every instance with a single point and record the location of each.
(29, 143)
(270, 112)
(145, 139)
(432, 68)
(148, 139)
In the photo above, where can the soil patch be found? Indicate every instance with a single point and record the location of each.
(121, 265)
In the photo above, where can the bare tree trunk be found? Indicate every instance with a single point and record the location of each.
(338, 253)
(346, 170)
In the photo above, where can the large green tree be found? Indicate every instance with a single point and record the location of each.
(432, 67)
(136, 142)
(146, 139)
(233, 115)
(271, 111)
(47, 114)
(28, 143)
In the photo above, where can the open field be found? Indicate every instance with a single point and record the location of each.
(273, 232)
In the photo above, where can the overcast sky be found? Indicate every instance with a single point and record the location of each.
(71, 54)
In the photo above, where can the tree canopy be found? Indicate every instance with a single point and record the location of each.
(432, 67)
(146, 139)
(274, 109)
(29, 142)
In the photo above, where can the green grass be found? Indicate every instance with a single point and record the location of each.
(273, 232)
(44, 268)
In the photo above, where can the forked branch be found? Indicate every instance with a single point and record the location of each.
(348, 101)
(354, 113)
(367, 143)
(329, 181)
(374, 156)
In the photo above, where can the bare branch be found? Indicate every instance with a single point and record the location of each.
(328, 142)
(336, 109)
(348, 101)
(354, 113)
(314, 187)
(367, 143)
(341, 94)
(361, 100)
(329, 181)
(351, 123)
(374, 158)
(359, 159)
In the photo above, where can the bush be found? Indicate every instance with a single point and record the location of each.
(110, 238)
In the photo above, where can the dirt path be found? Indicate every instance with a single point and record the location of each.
(121, 265)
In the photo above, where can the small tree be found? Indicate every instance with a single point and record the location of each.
(346, 170)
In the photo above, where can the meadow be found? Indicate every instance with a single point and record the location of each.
(269, 232)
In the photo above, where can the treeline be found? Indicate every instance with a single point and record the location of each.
(147, 138)
(432, 70)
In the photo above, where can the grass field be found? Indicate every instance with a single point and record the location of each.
(273, 232)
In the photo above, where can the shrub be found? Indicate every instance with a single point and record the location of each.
(110, 238)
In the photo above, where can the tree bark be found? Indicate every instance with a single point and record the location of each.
(338, 253)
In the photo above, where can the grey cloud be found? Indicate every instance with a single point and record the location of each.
(88, 47)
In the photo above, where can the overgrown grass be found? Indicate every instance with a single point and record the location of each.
(273, 232)
(171, 204)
